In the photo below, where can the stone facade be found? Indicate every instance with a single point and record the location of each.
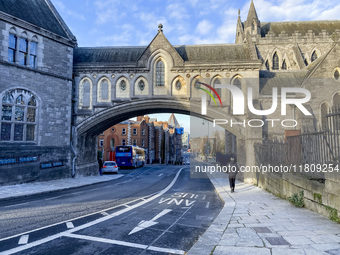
(44, 152)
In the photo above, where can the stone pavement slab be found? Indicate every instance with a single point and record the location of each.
(257, 222)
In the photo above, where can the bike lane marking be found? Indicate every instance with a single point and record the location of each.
(89, 224)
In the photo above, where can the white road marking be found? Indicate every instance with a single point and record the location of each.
(7, 206)
(145, 224)
(51, 198)
(163, 200)
(187, 203)
(105, 213)
(89, 224)
(69, 225)
(204, 197)
(160, 175)
(207, 206)
(128, 244)
(23, 239)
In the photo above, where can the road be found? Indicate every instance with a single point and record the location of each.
(152, 210)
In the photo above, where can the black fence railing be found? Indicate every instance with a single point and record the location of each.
(308, 152)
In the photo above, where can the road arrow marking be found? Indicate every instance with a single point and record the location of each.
(146, 224)
(23, 239)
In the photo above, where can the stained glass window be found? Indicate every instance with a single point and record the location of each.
(160, 73)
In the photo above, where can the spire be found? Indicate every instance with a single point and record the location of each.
(173, 121)
(252, 15)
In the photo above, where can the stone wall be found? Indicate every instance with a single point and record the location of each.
(323, 198)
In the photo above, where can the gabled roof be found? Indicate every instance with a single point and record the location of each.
(217, 52)
(289, 27)
(37, 12)
(113, 55)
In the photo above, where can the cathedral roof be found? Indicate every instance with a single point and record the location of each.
(217, 52)
(118, 55)
(130, 55)
(37, 12)
(289, 27)
(270, 80)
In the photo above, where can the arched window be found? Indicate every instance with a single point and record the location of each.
(141, 85)
(275, 62)
(336, 101)
(160, 73)
(314, 56)
(122, 85)
(18, 116)
(178, 85)
(324, 112)
(237, 82)
(267, 65)
(86, 96)
(218, 90)
(336, 75)
(284, 65)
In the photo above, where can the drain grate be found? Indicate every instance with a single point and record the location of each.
(277, 241)
(262, 230)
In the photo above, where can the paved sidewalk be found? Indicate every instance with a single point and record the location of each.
(254, 221)
(20, 190)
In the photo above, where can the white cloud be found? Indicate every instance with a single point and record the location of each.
(63, 10)
(204, 27)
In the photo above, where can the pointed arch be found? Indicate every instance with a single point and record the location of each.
(267, 65)
(141, 86)
(160, 72)
(314, 56)
(85, 93)
(276, 62)
(324, 110)
(122, 87)
(104, 90)
(194, 88)
(284, 65)
(216, 81)
(179, 86)
(336, 100)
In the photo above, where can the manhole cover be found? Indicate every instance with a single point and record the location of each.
(277, 241)
(262, 230)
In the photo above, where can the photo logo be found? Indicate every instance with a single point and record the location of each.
(239, 99)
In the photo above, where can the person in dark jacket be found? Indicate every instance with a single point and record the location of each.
(233, 170)
(100, 163)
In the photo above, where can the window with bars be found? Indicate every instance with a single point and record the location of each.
(160, 73)
(18, 116)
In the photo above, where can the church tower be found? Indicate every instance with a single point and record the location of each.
(239, 30)
(252, 25)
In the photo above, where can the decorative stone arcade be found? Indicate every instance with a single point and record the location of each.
(114, 84)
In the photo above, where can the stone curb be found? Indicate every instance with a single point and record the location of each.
(54, 190)
(212, 236)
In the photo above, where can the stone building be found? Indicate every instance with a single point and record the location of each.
(36, 68)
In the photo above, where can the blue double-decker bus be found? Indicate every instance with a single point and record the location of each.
(130, 156)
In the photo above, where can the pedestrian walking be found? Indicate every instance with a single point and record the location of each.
(233, 170)
(100, 163)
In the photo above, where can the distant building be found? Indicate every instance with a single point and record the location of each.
(158, 138)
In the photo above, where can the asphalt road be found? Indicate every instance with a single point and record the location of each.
(152, 210)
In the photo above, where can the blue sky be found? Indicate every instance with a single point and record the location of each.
(135, 22)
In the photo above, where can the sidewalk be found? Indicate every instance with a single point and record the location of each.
(254, 221)
(21, 190)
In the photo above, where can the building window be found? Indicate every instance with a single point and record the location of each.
(135, 131)
(124, 131)
(336, 75)
(160, 73)
(324, 112)
(143, 143)
(113, 144)
(141, 85)
(12, 47)
(314, 56)
(237, 82)
(18, 116)
(113, 130)
(101, 143)
(284, 65)
(197, 85)
(23, 51)
(143, 131)
(134, 142)
(218, 90)
(178, 85)
(33, 54)
(275, 62)
(122, 85)
(123, 142)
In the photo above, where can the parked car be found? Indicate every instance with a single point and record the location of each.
(110, 167)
